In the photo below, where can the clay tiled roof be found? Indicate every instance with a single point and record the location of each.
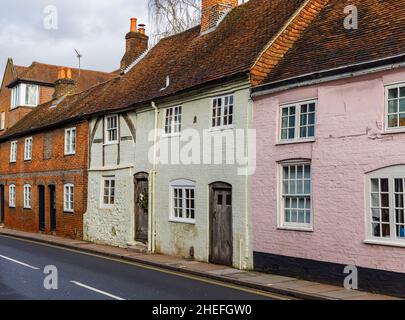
(48, 74)
(189, 59)
(326, 44)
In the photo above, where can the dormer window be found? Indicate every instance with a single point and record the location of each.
(26, 95)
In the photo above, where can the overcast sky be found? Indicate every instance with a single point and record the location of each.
(96, 27)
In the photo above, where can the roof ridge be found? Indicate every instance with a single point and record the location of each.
(65, 66)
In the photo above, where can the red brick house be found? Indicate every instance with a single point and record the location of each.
(44, 146)
(24, 88)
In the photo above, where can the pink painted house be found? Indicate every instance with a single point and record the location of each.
(329, 187)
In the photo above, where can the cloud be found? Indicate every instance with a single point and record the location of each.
(96, 27)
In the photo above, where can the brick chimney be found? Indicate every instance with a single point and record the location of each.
(213, 10)
(136, 44)
(65, 84)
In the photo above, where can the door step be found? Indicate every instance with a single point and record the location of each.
(138, 247)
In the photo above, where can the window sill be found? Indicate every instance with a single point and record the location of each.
(28, 209)
(191, 222)
(392, 131)
(69, 154)
(11, 207)
(27, 160)
(68, 212)
(390, 243)
(216, 129)
(280, 143)
(13, 162)
(296, 228)
(110, 143)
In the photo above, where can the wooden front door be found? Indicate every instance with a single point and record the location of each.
(2, 205)
(141, 208)
(221, 238)
(41, 207)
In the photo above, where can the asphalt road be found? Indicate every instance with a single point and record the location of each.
(87, 277)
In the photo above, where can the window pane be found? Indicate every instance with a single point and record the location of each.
(393, 106)
(375, 185)
(384, 185)
(393, 93)
(393, 121)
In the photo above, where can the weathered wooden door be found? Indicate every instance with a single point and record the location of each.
(52, 207)
(41, 207)
(221, 246)
(141, 207)
(2, 206)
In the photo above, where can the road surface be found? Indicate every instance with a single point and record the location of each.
(88, 277)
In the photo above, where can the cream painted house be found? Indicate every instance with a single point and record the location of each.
(170, 139)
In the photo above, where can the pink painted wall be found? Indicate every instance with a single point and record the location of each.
(348, 144)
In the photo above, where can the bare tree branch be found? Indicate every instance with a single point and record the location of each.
(169, 17)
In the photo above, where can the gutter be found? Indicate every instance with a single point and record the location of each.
(327, 75)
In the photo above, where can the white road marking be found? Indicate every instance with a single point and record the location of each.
(96, 290)
(19, 262)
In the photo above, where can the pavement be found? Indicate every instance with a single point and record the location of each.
(92, 271)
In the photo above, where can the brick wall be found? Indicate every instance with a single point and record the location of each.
(5, 93)
(48, 167)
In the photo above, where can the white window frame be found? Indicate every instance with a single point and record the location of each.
(173, 122)
(27, 196)
(70, 143)
(107, 130)
(390, 173)
(28, 149)
(183, 185)
(18, 96)
(11, 195)
(69, 197)
(13, 151)
(281, 221)
(386, 107)
(110, 194)
(3, 121)
(230, 116)
(297, 125)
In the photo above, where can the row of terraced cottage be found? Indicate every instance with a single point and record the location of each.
(316, 107)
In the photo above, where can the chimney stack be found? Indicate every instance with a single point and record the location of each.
(136, 44)
(212, 12)
(65, 84)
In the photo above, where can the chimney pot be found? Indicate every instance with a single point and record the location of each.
(133, 25)
(141, 29)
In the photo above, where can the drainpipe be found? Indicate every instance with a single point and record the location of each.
(152, 245)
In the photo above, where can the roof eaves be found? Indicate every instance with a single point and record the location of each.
(342, 72)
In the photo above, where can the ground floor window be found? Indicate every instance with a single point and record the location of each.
(386, 208)
(182, 194)
(108, 191)
(68, 196)
(295, 201)
(11, 196)
(27, 196)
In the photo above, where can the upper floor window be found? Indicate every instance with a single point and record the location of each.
(395, 107)
(173, 120)
(295, 203)
(68, 196)
(13, 151)
(70, 141)
(182, 201)
(111, 129)
(297, 122)
(24, 95)
(386, 205)
(27, 196)
(11, 196)
(3, 121)
(222, 111)
(28, 149)
(108, 191)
